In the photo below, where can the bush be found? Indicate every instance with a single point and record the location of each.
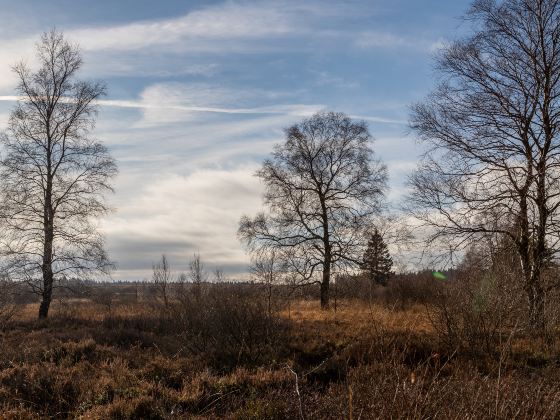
(230, 323)
(405, 290)
(477, 311)
(7, 302)
(401, 291)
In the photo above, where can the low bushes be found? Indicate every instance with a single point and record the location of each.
(228, 324)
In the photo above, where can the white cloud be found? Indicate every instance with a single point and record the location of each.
(373, 39)
(370, 39)
(212, 29)
(169, 103)
(180, 215)
(223, 22)
(13, 50)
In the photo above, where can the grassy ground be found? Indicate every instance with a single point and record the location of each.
(361, 361)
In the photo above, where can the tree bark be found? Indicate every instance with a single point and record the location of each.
(536, 309)
(48, 277)
(325, 284)
(325, 292)
(48, 229)
(47, 294)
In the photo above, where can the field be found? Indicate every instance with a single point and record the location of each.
(236, 360)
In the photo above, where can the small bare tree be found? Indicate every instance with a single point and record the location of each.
(323, 187)
(219, 276)
(197, 275)
(267, 268)
(103, 296)
(53, 174)
(493, 127)
(162, 277)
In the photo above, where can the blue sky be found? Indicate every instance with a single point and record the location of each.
(200, 91)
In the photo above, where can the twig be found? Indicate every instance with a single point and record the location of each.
(297, 391)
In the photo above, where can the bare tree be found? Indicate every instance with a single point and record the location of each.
(323, 187)
(219, 276)
(102, 295)
(53, 174)
(492, 126)
(197, 274)
(162, 277)
(267, 268)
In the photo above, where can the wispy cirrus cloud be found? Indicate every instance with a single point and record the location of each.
(126, 48)
(168, 103)
(375, 39)
(227, 21)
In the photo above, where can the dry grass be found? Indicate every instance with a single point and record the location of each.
(360, 361)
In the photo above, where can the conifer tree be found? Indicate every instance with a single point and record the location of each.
(377, 262)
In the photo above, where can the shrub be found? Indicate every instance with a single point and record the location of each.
(230, 323)
(8, 306)
(477, 311)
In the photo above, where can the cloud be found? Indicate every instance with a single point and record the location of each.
(373, 39)
(167, 103)
(220, 28)
(157, 47)
(179, 215)
(221, 22)
(13, 50)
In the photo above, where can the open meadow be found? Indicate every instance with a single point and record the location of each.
(223, 355)
(295, 209)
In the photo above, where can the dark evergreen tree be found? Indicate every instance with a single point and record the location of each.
(377, 262)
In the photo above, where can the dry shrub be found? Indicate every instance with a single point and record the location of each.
(102, 296)
(8, 305)
(384, 391)
(41, 387)
(229, 323)
(406, 290)
(477, 311)
(401, 292)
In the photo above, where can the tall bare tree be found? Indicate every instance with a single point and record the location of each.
(53, 174)
(323, 187)
(493, 165)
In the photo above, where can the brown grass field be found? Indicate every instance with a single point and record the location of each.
(362, 361)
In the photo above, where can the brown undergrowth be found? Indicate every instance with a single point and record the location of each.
(364, 360)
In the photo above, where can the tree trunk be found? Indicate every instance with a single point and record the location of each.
(48, 231)
(48, 277)
(47, 293)
(325, 283)
(535, 298)
(327, 261)
(325, 293)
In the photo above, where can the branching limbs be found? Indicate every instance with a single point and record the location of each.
(322, 187)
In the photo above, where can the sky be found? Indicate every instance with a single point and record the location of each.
(200, 91)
